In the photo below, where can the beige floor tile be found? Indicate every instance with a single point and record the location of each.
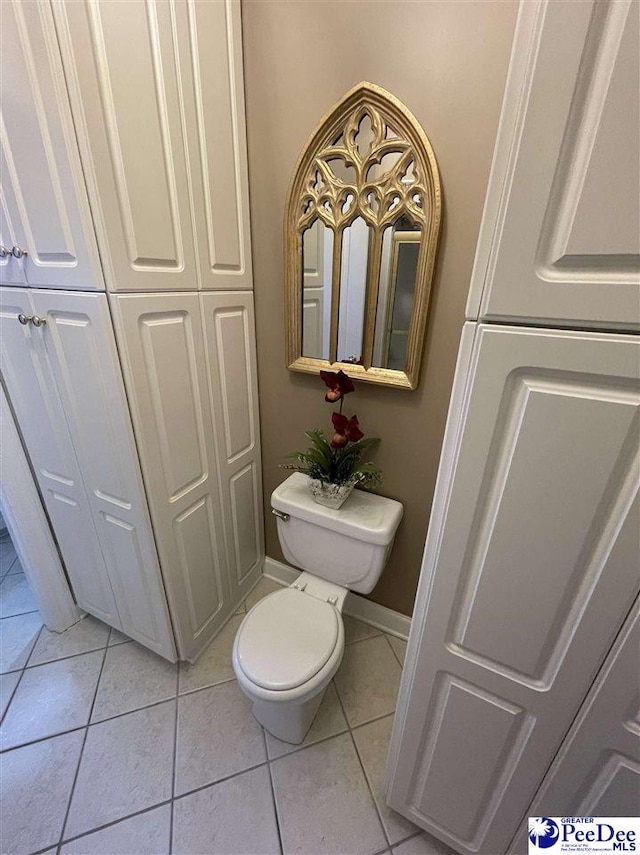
(36, 784)
(423, 844)
(398, 646)
(356, 630)
(8, 555)
(234, 816)
(8, 682)
(265, 586)
(367, 680)
(214, 665)
(126, 767)
(84, 636)
(217, 736)
(17, 637)
(16, 596)
(329, 721)
(147, 833)
(372, 742)
(51, 699)
(133, 677)
(324, 803)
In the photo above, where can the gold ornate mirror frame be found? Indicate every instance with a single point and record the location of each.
(317, 193)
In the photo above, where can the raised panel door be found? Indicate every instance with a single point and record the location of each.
(122, 69)
(42, 420)
(165, 365)
(230, 343)
(81, 349)
(530, 568)
(43, 186)
(597, 770)
(560, 239)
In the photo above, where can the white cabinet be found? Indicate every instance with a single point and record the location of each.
(530, 569)
(597, 772)
(189, 365)
(66, 388)
(560, 238)
(157, 95)
(45, 211)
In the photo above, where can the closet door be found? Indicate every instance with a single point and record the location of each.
(560, 239)
(44, 191)
(530, 568)
(32, 389)
(11, 269)
(82, 354)
(597, 771)
(165, 365)
(230, 345)
(122, 70)
(210, 39)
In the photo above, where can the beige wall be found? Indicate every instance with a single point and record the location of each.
(447, 61)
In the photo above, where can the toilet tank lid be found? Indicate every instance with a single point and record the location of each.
(364, 516)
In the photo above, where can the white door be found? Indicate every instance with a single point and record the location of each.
(597, 772)
(530, 568)
(315, 333)
(82, 354)
(121, 66)
(231, 352)
(165, 366)
(43, 186)
(560, 238)
(39, 410)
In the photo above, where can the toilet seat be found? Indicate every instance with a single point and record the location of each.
(287, 639)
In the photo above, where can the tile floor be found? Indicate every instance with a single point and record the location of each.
(106, 748)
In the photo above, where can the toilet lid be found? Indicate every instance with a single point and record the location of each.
(286, 639)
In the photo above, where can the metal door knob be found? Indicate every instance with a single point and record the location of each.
(16, 252)
(4, 252)
(38, 322)
(24, 319)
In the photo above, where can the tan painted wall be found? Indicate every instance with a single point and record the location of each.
(447, 61)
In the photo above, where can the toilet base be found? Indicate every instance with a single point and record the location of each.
(288, 720)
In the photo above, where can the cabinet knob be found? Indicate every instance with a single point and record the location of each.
(16, 252)
(4, 252)
(38, 322)
(24, 319)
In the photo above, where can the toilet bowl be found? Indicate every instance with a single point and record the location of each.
(290, 644)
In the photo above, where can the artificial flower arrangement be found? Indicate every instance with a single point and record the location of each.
(335, 467)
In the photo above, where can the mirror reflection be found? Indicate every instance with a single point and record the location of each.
(356, 240)
(317, 252)
(398, 273)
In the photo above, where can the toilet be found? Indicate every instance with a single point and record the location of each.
(290, 644)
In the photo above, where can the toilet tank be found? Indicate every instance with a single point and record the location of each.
(348, 547)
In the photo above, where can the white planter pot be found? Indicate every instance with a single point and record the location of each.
(330, 495)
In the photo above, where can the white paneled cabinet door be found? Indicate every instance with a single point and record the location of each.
(40, 414)
(165, 365)
(560, 240)
(597, 772)
(82, 354)
(122, 69)
(43, 195)
(530, 568)
(230, 343)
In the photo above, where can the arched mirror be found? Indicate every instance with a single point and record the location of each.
(361, 231)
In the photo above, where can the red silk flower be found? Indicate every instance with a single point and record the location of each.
(346, 430)
(339, 385)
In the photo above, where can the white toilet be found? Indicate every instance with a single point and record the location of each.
(290, 644)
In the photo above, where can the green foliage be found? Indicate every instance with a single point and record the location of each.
(337, 465)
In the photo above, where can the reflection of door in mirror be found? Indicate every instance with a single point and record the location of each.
(317, 245)
(400, 251)
(353, 285)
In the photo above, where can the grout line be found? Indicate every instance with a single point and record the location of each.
(401, 664)
(273, 790)
(175, 754)
(84, 742)
(19, 614)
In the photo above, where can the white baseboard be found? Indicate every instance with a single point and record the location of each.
(356, 606)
